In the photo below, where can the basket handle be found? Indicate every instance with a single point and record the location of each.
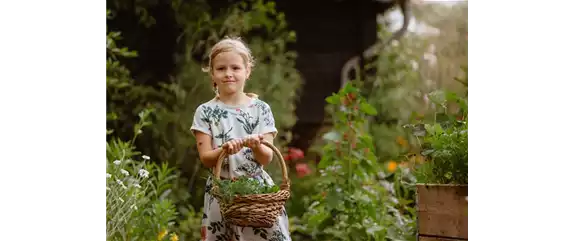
(285, 185)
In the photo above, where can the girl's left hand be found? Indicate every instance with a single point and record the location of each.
(253, 141)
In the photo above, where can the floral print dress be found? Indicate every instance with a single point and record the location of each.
(224, 123)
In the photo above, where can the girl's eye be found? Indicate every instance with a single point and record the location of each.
(220, 68)
(236, 68)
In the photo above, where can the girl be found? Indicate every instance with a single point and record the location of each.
(234, 122)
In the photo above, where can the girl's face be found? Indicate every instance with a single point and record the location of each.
(229, 73)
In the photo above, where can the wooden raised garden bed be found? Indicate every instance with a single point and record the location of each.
(442, 212)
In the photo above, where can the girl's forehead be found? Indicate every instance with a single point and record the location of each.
(228, 57)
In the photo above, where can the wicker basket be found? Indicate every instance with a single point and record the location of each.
(255, 210)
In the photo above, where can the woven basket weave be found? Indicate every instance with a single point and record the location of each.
(255, 210)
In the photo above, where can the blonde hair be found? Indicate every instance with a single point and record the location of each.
(229, 44)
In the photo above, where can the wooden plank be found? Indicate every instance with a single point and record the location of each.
(443, 210)
(424, 238)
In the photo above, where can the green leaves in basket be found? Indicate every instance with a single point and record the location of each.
(242, 186)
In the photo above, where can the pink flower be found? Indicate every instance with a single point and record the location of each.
(302, 169)
(296, 153)
(293, 154)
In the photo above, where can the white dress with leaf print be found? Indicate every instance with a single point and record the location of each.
(224, 123)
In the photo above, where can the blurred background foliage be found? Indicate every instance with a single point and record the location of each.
(402, 86)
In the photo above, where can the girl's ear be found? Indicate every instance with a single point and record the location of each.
(248, 73)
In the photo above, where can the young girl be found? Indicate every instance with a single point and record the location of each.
(234, 122)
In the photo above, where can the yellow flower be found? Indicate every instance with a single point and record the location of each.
(401, 141)
(392, 166)
(173, 237)
(161, 234)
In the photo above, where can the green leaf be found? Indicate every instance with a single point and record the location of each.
(324, 163)
(437, 129)
(349, 88)
(111, 116)
(333, 99)
(317, 219)
(368, 109)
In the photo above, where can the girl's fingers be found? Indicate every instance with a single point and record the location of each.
(238, 144)
(233, 146)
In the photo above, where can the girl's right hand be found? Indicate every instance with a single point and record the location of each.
(233, 146)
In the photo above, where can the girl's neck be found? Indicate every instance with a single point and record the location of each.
(236, 99)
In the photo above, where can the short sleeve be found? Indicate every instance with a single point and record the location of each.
(268, 123)
(201, 120)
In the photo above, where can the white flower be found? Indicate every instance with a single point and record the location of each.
(134, 207)
(121, 200)
(119, 182)
(137, 186)
(117, 162)
(145, 157)
(108, 175)
(415, 65)
(139, 131)
(144, 173)
(107, 188)
(125, 172)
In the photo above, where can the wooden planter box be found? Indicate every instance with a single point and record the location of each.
(442, 212)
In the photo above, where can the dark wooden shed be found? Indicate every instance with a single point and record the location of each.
(330, 33)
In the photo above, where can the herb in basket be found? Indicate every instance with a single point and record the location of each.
(227, 189)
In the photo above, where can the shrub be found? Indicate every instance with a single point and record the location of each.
(444, 141)
(355, 201)
(137, 207)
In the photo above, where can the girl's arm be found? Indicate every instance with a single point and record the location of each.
(262, 153)
(207, 154)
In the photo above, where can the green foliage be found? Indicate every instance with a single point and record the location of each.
(303, 190)
(394, 90)
(174, 102)
(189, 227)
(274, 79)
(136, 207)
(228, 189)
(356, 202)
(445, 141)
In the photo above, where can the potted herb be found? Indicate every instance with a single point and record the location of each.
(442, 189)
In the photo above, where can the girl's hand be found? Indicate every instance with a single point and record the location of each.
(233, 146)
(253, 141)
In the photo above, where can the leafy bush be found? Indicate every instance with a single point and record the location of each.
(136, 191)
(444, 142)
(355, 202)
